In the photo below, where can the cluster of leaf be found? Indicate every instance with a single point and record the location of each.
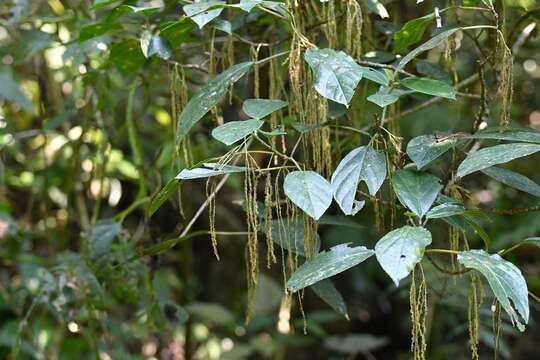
(112, 274)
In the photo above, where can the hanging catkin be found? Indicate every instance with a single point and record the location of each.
(353, 29)
(506, 87)
(210, 190)
(418, 310)
(268, 206)
(474, 330)
(331, 26)
(252, 254)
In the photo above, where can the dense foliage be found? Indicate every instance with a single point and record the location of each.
(269, 179)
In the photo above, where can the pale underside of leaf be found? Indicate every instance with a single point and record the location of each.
(336, 74)
(361, 164)
(426, 148)
(506, 281)
(401, 249)
(327, 264)
(309, 191)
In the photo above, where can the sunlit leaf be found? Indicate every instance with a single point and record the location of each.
(498, 154)
(505, 280)
(309, 191)
(204, 11)
(426, 148)
(234, 131)
(401, 249)
(211, 170)
(335, 73)
(327, 264)
(208, 96)
(361, 164)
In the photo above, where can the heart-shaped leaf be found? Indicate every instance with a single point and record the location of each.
(361, 164)
(204, 11)
(415, 190)
(309, 191)
(335, 73)
(426, 148)
(401, 249)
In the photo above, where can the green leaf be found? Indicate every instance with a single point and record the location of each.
(97, 4)
(289, 235)
(204, 11)
(498, 154)
(234, 131)
(155, 45)
(513, 179)
(309, 191)
(361, 164)
(91, 31)
(326, 290)
(326, 264)
(11, 91)
(208, 171)
(426, 148)
(142, 10)
(529, 136)
(415, 190)
(505, 280)
(375, 6)
(355, 343)
(401, 249)
(411, 32)
(445, 210)
(223, 25)
(377, 76)
(208, 96)
(335, 73)
(101, 235)
(127, 56)
(163, 195)
(428, 45)
(261, 108)
(210, 312)
(432, 70)
(429, 86)
(385, 96)
(248, 5)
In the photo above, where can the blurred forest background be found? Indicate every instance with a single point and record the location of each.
(87, 138)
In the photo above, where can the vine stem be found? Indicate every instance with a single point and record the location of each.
(443, 251)
(285, 156)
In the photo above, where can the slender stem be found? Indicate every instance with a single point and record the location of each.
(285, 156)
(443, 251)
(262, 61)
